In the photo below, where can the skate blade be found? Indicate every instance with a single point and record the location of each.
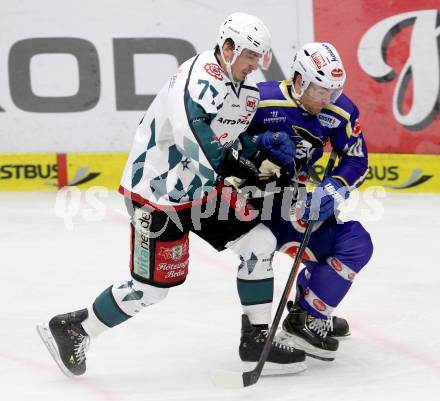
(340, 335)
(48, 340)
(277, 369)
(311, 351)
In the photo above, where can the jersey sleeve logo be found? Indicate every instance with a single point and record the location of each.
(355, 149)
(357, 128)
(214, 70)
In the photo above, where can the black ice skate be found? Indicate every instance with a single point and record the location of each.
(340, 327)
(303, 331)
(67, 341)
(281, 359)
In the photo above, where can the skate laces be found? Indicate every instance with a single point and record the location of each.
(321, 326)
(80, 347)
(276, 344)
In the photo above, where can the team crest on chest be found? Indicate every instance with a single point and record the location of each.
(251, 103)
(328, 121)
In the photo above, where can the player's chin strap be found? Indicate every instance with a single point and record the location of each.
(229, 66)
(233, 379)
(297, 96)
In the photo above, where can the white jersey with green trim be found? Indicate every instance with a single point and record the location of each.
(178, 148)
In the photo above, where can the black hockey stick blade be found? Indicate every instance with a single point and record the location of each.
(231, 379)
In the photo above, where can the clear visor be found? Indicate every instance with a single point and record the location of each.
(265, 60)
(261, 60)
(319, 94)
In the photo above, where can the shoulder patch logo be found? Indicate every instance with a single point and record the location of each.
(214, 70)
(357, 128)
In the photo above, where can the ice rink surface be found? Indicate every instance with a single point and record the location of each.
(169, 351)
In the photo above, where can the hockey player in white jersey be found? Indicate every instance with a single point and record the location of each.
(190, 137)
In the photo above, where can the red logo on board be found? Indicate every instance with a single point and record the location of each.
(392, 64)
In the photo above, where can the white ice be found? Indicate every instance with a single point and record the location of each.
(169, 351)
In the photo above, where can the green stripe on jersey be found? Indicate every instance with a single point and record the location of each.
(199, 121)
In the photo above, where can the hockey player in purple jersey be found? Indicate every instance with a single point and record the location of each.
(294, 121)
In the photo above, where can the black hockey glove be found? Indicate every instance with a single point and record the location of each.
(238, 166)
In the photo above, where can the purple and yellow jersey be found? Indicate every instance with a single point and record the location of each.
(338, 122)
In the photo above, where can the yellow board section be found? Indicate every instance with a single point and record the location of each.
(400, 172)
(33, 172)
(28, 172)
(86, 170)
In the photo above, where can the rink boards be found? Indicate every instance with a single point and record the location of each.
(50, 171)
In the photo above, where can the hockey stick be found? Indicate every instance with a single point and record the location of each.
(231, 379)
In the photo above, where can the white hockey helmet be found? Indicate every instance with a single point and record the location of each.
(247, 32)
(319, 63)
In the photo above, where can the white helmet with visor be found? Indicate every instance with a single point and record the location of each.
(321, 65)
(247, 32)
